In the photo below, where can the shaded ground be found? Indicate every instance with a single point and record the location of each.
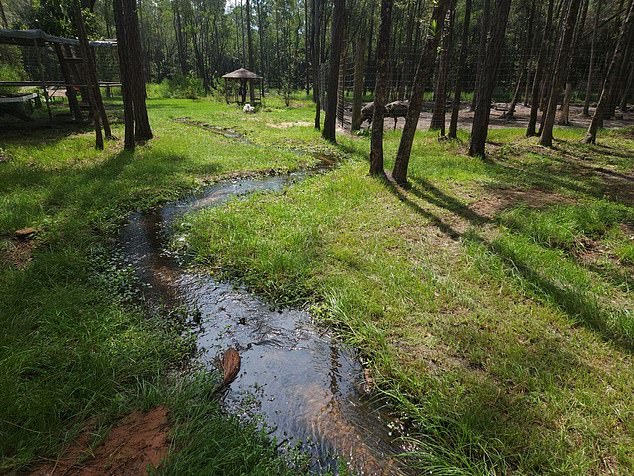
(134, 446)
(497, 120)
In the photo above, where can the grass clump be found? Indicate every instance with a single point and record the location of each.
(567, 226)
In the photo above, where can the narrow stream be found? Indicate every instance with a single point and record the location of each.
(307, 388)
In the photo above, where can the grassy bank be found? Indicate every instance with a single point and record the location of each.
(492, 298)
(74, 344)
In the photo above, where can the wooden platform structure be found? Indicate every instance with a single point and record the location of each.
(246, 81)
(73, 66)
(18, 105)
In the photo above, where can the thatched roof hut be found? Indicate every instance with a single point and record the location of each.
(246, 80)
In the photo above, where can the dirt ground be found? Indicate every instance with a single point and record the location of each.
(521, 116)
(137, 442)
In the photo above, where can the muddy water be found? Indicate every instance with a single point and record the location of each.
(304, 386)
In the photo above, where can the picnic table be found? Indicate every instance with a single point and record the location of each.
(19, 105)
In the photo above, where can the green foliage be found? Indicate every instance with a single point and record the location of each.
(10, 66)
(182, 87)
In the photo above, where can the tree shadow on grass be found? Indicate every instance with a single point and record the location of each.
(428, 192)
(496, 423)
(578, 305)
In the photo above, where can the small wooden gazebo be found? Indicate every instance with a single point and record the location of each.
(245, 80)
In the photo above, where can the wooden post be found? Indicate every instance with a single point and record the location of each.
(84, 51)
(68, 77)
(90, 68)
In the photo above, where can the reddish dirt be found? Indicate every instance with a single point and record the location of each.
(139, 441)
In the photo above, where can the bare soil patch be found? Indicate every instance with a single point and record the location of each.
(500, 199)
(498, 118)
(16, 253)
(138, 442)
(286, 125)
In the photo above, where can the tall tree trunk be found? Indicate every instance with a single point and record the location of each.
(380, 88)
(124, 61)
(523, 69)
(539, 72)
(563, 118)
(423, 73)
(610, 78)
(622, 74)
(307, 41)
(370, 42)
(628, 89)
(440, 92)
(480, 127)
(561, 71)
(336, 47)
(593, 45)
(132, 72)
(263, 64)
(317, 62)
(464, 43)
(357, 93)
(250, 49)
(485, 25)
(180, 40)
(142, 129)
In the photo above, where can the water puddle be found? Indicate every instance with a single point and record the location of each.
(304, 386)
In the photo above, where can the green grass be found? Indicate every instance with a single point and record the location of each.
(507, 345)
(500, 326)
(73, 342)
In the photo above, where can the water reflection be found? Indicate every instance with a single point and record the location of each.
(304, 386)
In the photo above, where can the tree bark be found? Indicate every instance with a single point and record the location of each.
(357, 94)
(128, 109)
(479, 129)
(380, 88)
(539, 72)
(250, 49)
(423, 72)
(564, 112)
(608, 84)
(464, 42)
(316, 61)
(523, 69)
(337, 32)
(142, 129)
(440, 93)
(485, 24)
(628, 89)
(559, 76)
